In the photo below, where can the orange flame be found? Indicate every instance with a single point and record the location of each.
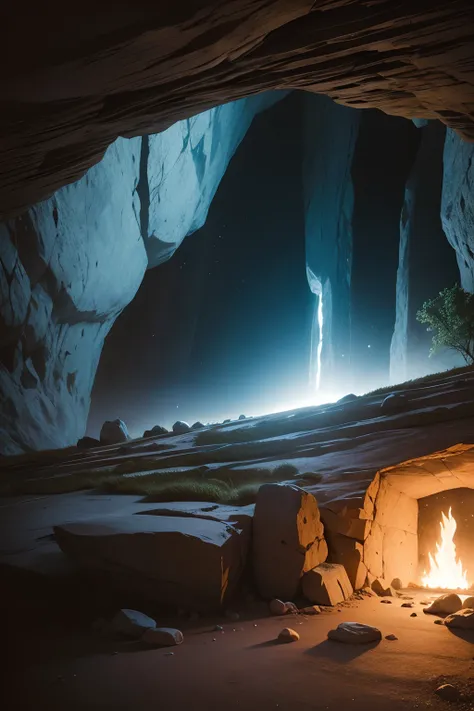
(446, 570)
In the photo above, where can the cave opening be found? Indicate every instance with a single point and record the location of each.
(224, 326)
(341, 194)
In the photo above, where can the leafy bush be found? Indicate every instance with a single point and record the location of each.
(450, 316)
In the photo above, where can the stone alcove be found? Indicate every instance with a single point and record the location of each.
(386, 536)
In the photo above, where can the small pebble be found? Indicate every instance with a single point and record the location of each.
(407, 604)
(218, 628)
(214, 639)
(255, 625)
(169, 654)
(439, 622)
(391, 637)
(413, 614)
(385, 602)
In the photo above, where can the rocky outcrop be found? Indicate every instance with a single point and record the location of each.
(330, 132)
(427, 263)
(137, 71)
(457, 208)
(71, 264)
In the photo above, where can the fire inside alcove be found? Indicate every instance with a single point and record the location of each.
(445, 540)
(418, 527)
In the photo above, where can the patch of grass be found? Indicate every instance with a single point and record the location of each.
(285, 471)
(311, 477)
(162, 488)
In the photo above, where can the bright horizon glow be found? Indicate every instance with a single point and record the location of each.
(446, 570)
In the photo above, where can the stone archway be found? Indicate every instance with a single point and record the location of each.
(379, 537)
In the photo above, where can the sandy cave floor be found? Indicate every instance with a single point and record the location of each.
(62, 664)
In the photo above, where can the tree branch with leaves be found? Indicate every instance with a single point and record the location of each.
(450, 316)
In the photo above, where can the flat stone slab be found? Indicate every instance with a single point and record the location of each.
(131, 623)
(355, 633)
(185, 562)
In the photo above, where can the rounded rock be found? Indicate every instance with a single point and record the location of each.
(277, 607)
(448, 692)
(288, 635)
(445, 604)
(355, 633)
(162, 637)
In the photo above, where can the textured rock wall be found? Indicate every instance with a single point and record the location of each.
(69, 265)
(67, 268)
(427, 263)
(138, 69)
(457, 206)
(330, 135)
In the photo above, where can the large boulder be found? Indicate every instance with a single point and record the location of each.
(288, 539)
(181, 427)
(114, 432)
(327, 584)
(186, 562)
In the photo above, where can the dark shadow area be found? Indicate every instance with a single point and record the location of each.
(339, 652)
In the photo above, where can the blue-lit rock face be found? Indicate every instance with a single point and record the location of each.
(330, 135)
(427, 263)
(68, 267)
(457, 209)
(185, 165)
(72, 263)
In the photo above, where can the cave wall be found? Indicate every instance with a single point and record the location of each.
(69, 265)
(330, 134)
(457, 203)
(139, 69)
(427, 262)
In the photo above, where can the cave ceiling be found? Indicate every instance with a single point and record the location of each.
(74, 78)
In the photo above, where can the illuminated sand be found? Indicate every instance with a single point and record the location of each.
(245, 669)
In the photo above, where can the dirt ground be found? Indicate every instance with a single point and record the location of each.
(59, 664)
